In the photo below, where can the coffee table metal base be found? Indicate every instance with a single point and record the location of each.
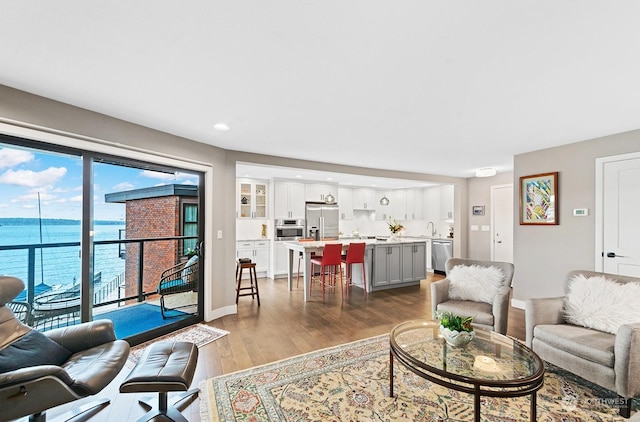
(477, 391)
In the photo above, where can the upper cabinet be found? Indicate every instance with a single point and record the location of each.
(318, 192)
(406, 204)
(446, 202)
(251, 199)
(365, 199)
(345, 203)
(398, 204)
(289, 198)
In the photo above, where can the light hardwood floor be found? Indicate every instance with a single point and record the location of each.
(284, 326)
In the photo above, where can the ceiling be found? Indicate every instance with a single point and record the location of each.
(438, 87)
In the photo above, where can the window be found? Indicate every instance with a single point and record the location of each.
(189, 226)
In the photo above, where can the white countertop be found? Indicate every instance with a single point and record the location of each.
(321, 243)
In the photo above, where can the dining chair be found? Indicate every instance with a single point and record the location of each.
(355, 255)
(331, 261)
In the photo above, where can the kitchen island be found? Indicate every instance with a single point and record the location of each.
(388, 264)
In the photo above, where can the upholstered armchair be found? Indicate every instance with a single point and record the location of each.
(475, 288)
(39, 371)
(593, 331)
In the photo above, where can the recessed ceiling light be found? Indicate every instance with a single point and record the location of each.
(221, 127)
(298, 176)
(485, 172)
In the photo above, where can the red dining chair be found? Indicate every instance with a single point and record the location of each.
(355, 255)
(330, 260)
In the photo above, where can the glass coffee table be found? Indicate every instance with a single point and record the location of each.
(491, 365)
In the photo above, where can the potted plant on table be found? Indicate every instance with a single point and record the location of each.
(457, 331)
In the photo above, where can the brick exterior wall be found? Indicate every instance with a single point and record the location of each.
(147, 218)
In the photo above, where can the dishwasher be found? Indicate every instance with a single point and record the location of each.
(441, 250)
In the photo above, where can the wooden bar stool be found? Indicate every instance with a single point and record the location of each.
(253, 279)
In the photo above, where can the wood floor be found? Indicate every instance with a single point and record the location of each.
(284, 326)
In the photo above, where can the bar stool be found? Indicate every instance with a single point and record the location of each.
(330, 260)
(253, 278)
(355, 255)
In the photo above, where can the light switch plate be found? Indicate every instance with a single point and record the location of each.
(219, 234)
(474, 228)
(580, 212)
(486, 228)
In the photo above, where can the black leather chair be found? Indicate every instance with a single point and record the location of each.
(39, 371)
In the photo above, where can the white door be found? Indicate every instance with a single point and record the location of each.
(621, 225)
(502, 223)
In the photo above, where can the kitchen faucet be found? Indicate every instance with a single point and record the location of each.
(433, 228)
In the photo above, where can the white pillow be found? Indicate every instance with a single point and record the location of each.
(475, 282)
(602, 304)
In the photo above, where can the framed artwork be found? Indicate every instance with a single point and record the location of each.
(539, 199)
(477, 210)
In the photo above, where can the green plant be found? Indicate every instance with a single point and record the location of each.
(191, 252)
(455, 322)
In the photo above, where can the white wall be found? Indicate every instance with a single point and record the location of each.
(480, 194)
(544, 255)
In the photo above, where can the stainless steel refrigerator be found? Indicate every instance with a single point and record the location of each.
(321, 220)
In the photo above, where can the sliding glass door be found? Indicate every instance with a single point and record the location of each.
(111, 238)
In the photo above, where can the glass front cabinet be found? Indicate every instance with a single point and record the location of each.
(252, 199)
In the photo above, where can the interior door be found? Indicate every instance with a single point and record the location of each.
(502, 223)
(621, 225)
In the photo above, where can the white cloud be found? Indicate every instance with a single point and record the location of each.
(44, 196)
(76, 198)
(13, 157)
(123, 186)
(31, 178)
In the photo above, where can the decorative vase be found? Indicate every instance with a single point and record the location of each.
(456, 338)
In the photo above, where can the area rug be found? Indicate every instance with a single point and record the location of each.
(199, 334)
(351, 383)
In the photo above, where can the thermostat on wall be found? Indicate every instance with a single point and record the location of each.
(580, 212)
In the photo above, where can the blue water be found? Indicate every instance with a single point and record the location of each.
(60, 267)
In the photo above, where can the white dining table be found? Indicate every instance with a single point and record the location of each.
(307, 248)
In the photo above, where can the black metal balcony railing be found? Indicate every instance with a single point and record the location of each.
(61, 308)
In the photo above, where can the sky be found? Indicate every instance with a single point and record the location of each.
(26, 174)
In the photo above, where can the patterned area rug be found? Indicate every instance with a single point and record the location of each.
(351, 383)
(199, 334)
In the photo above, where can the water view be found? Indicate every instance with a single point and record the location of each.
(58, 267)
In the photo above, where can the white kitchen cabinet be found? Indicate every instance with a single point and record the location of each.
(346, 203)
(289, 199)
(446, 202)
(257, 251)
(431, 204)
(251, 199)
(364, 199)
(398, 204)
(414, 204)
(315, 192)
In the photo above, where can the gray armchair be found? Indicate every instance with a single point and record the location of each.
(609, 360)
(39, 371)
(490, 313)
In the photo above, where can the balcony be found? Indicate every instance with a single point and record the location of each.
(123, 289)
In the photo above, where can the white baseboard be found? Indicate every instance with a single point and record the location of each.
(517, 303)
(220, 312)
